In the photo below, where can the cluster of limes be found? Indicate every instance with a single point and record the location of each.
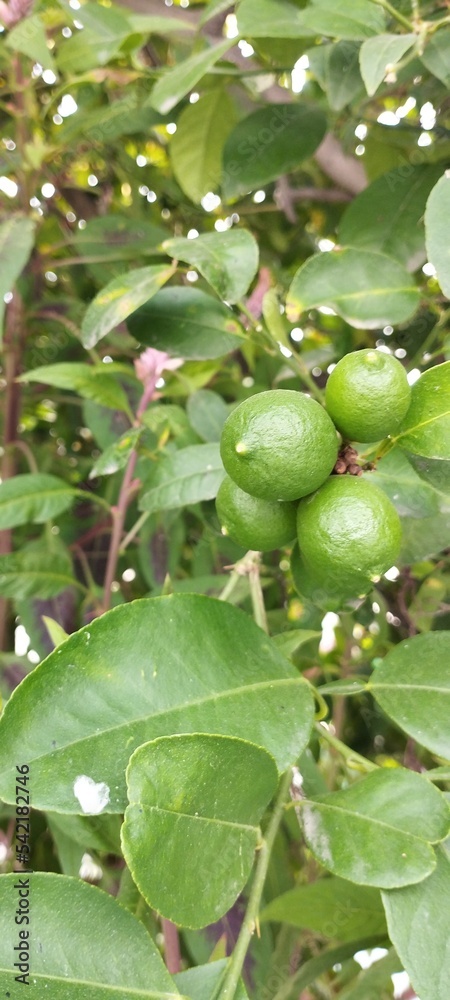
(279, 449)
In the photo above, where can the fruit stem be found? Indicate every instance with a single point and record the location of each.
(249, 924)
(353, 759)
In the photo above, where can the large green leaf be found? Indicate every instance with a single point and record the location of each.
(177, 82)
(83, 945)
(192, 826)
(207, 413)
(115, 236)
(228, 260)
(331, 906)
(379, 55)
(412, 685)
(186, 322)
(97, 382)
(196, 148)
(336, 67)
(201, 983)
(153, 668)
(379, 831)
(436, 55)
(436, 227)
(426, 427)
(367, 289)
(105, 30)
(388, 215)
(119, 299)
(32, 499)
(411, 495)
(185, 476)
(280, 19)
(268, 143)
(29, 36)
(16, 244)
(419, 926)
(35, 574)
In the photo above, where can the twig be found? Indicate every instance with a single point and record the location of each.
(249, 923)
(394, 13)
(351, 756)
(172, 953)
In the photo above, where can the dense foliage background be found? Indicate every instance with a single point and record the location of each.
(201, 201)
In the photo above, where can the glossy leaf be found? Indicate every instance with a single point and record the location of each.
(269, 142)
(207, 412)
(418, 919)
(186, 476)
(97, 382)
(331, 906)
(201, 983)
(177, 82)
(16, 244)
(388, 215)
(119, 299)
(33, 498)
(196, 148)
(436, 216)
(289, 642)
(412, 685)
(116, 456)
(28, 36)
(426, 427)
(228, 260)
(275, 19)
(66, 917)
(229, 680)
(105, 31)
(192, 826)
(411, 495)
(28, 573)
(378, 832)
(186, 323)
(367, 289)
(380, 55)
(436, 55)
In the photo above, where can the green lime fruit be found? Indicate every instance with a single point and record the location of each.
(349, 534)
(327, 593)
(254, 523)
(367, 395)
(279, 445)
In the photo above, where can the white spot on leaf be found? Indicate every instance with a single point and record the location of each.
(93, 796)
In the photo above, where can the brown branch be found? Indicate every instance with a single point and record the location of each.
(172, 953)
(12, 352)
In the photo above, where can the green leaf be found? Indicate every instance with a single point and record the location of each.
(187, 476)
(427, 602)
(74, 836)
(380, 55)
(436, 222)
(116, 456)
(151, 24)
(121, 297)
(229, 260)
(436, 56)
(229, 679)
(269, 142)
(289, 642)
(332, 907)
(426, 427)
(35, 574)
(376, 981)
(279, 19)
(55, 630)
(187, 323)
(423, 537)
(66, 917)
(97, 382)
(16, 244)
(117, 237)
(105, 30)
(411, 495)
(207, 413)
(388, 215)
(419, 927)
(29, 37)
(342, 77)
(378, 831)
(412, 686)
(201, 983)
(177, 82)
(367, 289)
(195, 805)
(196, 148)
(32, 499)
